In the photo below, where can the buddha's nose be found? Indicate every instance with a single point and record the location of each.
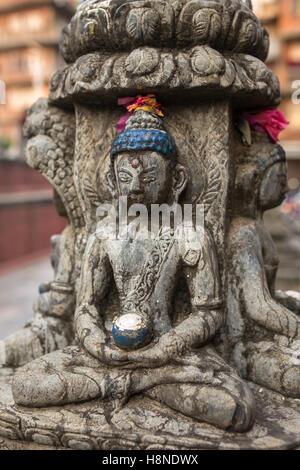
(136, 186)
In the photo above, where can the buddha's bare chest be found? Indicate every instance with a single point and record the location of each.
(141, 267)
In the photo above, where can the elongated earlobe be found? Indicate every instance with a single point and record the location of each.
(180, 179)
(110, 180)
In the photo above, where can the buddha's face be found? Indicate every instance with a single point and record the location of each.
(274, 186)
(144, 177)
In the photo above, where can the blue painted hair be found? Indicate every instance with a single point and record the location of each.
(144, 139)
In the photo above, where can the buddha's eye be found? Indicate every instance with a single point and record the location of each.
(148, 179)
(124, 178)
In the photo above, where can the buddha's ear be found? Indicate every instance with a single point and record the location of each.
(110, 180)
(180, 179)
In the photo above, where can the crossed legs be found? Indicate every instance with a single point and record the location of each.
(68, 376)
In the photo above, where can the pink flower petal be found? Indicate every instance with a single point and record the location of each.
(122, 122)
(127, 100)
(271, 121)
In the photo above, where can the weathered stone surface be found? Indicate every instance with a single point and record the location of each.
(199, 73)
(226, 25)
(142, 424)
(8, 444)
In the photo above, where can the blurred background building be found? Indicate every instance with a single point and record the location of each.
(282, 20)
(30, 32)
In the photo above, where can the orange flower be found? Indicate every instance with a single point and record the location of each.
(147, 103)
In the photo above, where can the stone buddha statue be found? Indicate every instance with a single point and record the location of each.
(264, 334)
(141, 347)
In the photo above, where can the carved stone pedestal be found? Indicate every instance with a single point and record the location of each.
(142, 424)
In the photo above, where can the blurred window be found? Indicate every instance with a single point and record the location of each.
(19, 63)
(292, 59)
(30, 21)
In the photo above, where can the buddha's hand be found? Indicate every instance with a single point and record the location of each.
(97, 346)
(161, 353)
(114, 356)
(148, 357)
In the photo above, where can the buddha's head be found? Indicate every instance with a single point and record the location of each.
(261, 180)
(144, 165)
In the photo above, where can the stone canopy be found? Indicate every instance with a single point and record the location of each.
(201, 49)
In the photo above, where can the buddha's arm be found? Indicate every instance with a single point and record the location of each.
(201, 326)
(94, 282)
(206, 317)
(247, 277)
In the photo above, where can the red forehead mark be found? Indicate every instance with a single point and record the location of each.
(135, 163)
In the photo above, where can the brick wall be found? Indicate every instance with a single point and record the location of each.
(18, 176)
(26, 229)
(28, 217)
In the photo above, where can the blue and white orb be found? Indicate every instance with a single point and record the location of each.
(131, 331)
